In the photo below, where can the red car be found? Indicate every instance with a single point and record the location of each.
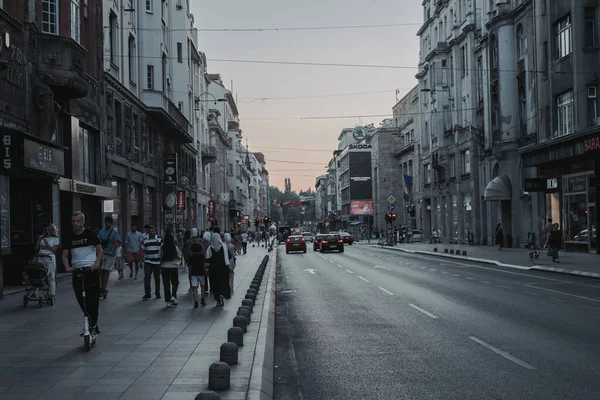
(295, 243)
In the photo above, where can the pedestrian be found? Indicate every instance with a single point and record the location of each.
(187, 252)
(499, 236)
(86, 256)
(555, 242)
(232, 260)
(198, 272)
(245, 242)
(237, 242)
(108, 239)
(170, 260)
(133, 241)
(151, 256)
(217, 256)
(119, 262)
(206, 245)
(48, 245)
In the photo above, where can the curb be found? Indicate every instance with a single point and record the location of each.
(499, 264)
(261, 373)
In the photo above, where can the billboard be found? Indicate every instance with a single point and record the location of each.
(361, 207)
(361, 182)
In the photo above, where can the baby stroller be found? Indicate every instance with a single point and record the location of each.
(35, 279)
(534, 254)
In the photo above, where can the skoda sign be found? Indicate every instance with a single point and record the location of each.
(359, 133)
(360, 147)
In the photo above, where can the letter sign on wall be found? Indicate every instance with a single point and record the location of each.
(551, 183)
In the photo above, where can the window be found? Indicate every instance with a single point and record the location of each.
(464, 61)
(543, 7)
(113, 33)
(50, 16)
(163, 8)
(427, 168)
(590, 28)
(452, 167)
(75, 21)
(494, 52)
(466, 162)
(0, 3)
(563, 37)
(451, 70)
(132, 57)
(564, 113)
(150, 77)
(521, 42)
(149, 4)
(592, 106)
(180, 106)
(179, 52)
(87, 151)
(523, 109)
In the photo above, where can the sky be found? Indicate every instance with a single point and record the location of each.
(274, 100)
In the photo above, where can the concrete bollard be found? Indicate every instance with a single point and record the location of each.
(248, 303)
(464, 253)
(236, 335)
(255, 286)
(256, 281)
(229, 353)
(253, 291)
(244, 312)
(219, 375)
(250, 296)
(208, 396)
(241, 322)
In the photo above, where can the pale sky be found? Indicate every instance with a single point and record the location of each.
(274, 125)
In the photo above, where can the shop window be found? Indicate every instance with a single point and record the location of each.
(88, 156)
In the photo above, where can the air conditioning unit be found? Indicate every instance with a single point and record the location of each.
(591, 92)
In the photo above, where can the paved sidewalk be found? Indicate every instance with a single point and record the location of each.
(582, 264)
(145, 350)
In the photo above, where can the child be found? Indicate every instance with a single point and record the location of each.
(198, 272)
(119, 263)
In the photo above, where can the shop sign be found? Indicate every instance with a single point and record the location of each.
(211, 210)
(181, 200)
(108, 206)
(577, 184)
(179, 216)
(551, 183)
(43, 158)
(535, 185)
(591, 144)
(81, 188)
(6, 158)
(360, 147)
(170, 168)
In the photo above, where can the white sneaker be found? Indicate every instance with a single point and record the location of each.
(169, 305)
(173, 301)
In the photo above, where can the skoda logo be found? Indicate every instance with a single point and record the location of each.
(359, 133)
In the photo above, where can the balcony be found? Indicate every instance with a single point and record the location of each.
(209, 154)
(63, 60)
(439, 158)
(233, 125)
(167, 115)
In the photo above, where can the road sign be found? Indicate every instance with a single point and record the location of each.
(392, 199)
(391, 206)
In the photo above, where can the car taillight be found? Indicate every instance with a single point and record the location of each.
(288, 240)
(340, 241)
(324, 241)
(303, 240)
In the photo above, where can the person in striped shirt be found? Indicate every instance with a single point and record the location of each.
(151, 247)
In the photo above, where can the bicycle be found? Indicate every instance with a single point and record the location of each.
(89, 337)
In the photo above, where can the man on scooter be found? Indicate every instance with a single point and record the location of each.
(86, 251)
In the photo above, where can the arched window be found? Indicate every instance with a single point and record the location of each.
(521, 42)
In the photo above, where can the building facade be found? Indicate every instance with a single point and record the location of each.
(50, 122)
(450, 125)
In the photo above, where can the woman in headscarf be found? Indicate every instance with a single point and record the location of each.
(232, 261)
(206, 244)
(217, 257)
(169, 269)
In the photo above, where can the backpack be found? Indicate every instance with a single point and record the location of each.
(104, 243)
(187, 252)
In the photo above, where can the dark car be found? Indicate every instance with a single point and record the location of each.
(295, 243)
(331, 242)
(316, 242)
(347, 238)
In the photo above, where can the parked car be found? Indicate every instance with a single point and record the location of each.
(316, 242)
(295, 243)
(417, 236)
(347, 238)
(308, 236)
(331, 242)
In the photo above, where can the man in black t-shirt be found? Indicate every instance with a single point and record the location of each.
(86, 255)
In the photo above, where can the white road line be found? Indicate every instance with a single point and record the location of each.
(469, 278)
(505, 287)
(531, 293)
(381, 267)
(322, 256)
(349, 271)
(559, 300)
(366, 280)
(340, 266)
(502, 353)
(331, 261)
(385, 290)
(444, 272)
(433, 269)
(456, 275)
(423, 311)
(486, 282)
(563, 293)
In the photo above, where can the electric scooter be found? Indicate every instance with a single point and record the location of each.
(89, 338)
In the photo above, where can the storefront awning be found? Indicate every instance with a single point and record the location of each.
(498, 189)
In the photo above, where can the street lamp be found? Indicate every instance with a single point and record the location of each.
(197, 99)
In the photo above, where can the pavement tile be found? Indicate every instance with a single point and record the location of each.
(139, 391)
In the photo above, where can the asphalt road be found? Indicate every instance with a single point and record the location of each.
(377, 324)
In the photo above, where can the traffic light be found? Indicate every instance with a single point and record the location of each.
(256, 222)
(266, 219)
(393, 216)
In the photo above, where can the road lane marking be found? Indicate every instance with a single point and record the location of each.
(366, 280)
(339, 266)
(349, 271)
(456, 275)
(531, 293)
(563, 293)
(322, 256)
(559, 300)
(433, 269)
(312, 271)
(381, 267)
(486, 282)
(385, 291)
(444, 272)
(331, 261)
(423, 311)
(505, 287)
(502, 353)
(469, 278)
